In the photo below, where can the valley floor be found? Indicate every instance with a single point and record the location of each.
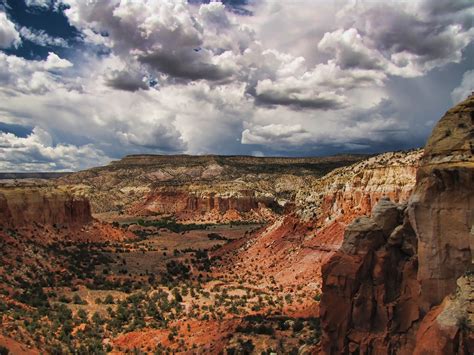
(166, 289)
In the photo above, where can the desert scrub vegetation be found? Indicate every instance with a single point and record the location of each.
(78, 294)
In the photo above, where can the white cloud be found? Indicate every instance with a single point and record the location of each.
(414, 37)
(465, 88)
(275, 133)
(36, 152)
(30, 76)
(9, 36)
(39, 3)
(163, 35)
(173, 77)
(298, 93)
(350, 50)
(41, 38)
(53, 61)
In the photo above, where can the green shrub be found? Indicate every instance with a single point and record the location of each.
(109, 299)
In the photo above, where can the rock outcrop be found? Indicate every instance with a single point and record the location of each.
(369, 295)
(346, 193)
(43, 213)
(183, 204)
(447, 328)
(354, 190)
(24, 206)
(442, 206)
(391, 288)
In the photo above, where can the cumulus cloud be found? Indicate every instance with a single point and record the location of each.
(465, 88)
(298, 96)
(350, 50)
(41, 38)
(168, 76)
(353, 129)
(275, 133)
(31, 76)
(164, 35)
(127, 80)
(9, 36)
(36, 152)
(412, 37)
(159, 136)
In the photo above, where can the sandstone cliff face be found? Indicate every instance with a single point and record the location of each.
(369, 295)
(447, 328)
(354, 190)
(395, 266)
(185, 204)
(24, 206)
(442, 205)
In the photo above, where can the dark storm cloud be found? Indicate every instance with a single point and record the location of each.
(399, 32)
(432, 34)
(126, 80)
(183, 64)
(275, 98)
(163, 137)
(443, 7)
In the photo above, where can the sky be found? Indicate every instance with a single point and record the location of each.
(84, 82)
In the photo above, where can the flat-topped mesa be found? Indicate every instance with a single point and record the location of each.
(442, 205)
(135, 179)
(25, 206)
(244, 160)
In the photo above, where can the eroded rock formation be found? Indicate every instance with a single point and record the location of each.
(22, 206)
(442, 206)
(391, 288)
(205, 205)
(370, 292)
(352, 191)
(44, 213)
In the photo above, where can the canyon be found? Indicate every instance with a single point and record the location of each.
(343, 254)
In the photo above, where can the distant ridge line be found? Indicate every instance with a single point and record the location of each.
(32, 175)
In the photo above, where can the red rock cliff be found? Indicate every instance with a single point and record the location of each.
(396, 285)
(183, 203)
(442, 206)
(22, 206)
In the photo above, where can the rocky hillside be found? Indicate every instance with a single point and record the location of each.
(355, 189)
(293, 247)
(402, 280)
(195, 185)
